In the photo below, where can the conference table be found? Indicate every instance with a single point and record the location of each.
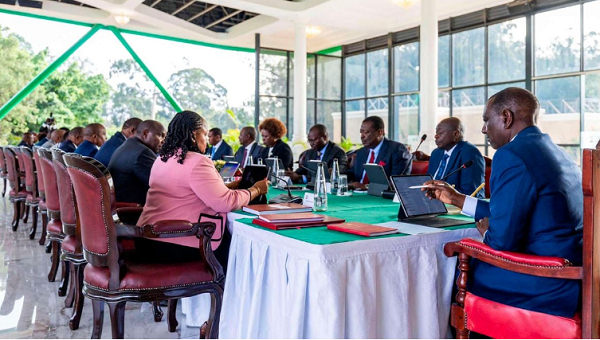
(319, 283)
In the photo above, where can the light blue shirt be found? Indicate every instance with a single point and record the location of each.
(322, 151)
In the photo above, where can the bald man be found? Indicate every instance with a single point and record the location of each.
(131, 163)
(536, 207)
(127, 131)
(452, 152)
(56, 137)
(94, 136)
(73, 138)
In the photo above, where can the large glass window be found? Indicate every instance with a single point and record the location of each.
(467, 105)
(467, 57)
(329, 72)
(506, 51)
(327, 112)
(273, 73)
(377, 73)
(355, 76)
(590, 134)
(557, 41)
(355, 113)
(591, 35)
(406, 111)
(444, 61)
(406, 67)
(560, 113)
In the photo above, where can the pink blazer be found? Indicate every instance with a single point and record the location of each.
(183, 191)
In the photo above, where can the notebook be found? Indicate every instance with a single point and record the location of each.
(362, 229)
(293, 225)
(279, 208)
(289, 218)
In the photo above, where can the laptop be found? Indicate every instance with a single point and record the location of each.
(229, 158)
(228, 170)
(378, 180)
(416, 208)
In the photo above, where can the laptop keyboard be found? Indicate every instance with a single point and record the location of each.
(435, 222)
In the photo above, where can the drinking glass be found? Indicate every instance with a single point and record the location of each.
(280, 182)
(342, 185)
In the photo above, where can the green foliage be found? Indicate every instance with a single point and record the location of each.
(232, 138)
(346, 144)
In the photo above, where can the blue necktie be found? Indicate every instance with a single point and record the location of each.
(212, 154)
(442, 168)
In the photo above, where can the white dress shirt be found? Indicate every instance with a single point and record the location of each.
(376, 152)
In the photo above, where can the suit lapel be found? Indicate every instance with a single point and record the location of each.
(452, 162)
(382, 151)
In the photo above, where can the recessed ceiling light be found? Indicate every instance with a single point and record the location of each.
(312, 31)
(404, 3)
(122, 19)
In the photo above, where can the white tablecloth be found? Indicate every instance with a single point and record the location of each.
(278, 287)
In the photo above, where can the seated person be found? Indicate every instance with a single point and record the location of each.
(94, 136)
(452, 152)
(27, 140)
(322, 149)
(183, 184)
(249, 147)
(131, 163)
(72, 139)
(393, 156)
(219, 147)
(272, 130)
(56, 137)
(536, 207)
(127, 131)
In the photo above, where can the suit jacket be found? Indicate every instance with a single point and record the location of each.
(255, 151)
(393, 156)
(130, 167)
(333, 151)
(108, 148)
(67, 146)
(223, 150)
(25, 144)
(536, 207)
(466, 180)
(41, 141)
(87, 148)
(283, 151)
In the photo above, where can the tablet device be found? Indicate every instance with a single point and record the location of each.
(378, 180)
(314, 165)
(229, 158)
(253, 174)
(228, 170)
(270, 161)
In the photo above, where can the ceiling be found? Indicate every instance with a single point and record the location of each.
(234, 22)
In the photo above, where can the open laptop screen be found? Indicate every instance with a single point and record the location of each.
(229, 169)
(414, 201)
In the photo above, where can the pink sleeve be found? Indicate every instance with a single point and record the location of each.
(208, 185)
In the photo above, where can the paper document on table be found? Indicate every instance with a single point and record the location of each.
(411, 229)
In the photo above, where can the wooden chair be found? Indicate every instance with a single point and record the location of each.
(110, 278)
(17, 194)
(472, 313)
(31, 185)
(3, 172)
(421, 156)
(21, 169)
(42, 193)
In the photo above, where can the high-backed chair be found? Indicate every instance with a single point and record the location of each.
(3, 172)
(108, 278)
(473, 313)
(419, 167)
(17, 194)
(31, 185)
(54, 227)
(42, 193)
(488, 174)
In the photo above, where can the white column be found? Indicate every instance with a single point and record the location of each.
(299, 111)
(429, 71)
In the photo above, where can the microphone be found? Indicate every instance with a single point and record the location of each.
(283, 198)
(464, 166)
(412, 155)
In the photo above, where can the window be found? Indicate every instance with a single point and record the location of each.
(591, 35)
(406, 110)
(355, 114)
(406, 67)
(506, 51)
(327, 111)
(467, 105)
(557, 41)
(329, 72)
(377, 73)
(355, 76)
(560, 114)
(444, 61)
(467, 57)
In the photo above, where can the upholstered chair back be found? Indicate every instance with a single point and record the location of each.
(12, 168)
(38, 173)
(65, 193)
(2, 162)
(29, 167)
(50, 182)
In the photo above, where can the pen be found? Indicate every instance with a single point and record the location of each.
(419, 186)
(478, 189)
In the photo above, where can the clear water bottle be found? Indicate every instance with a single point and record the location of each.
(250, 161)
(260, 161)
(320, 201)
(335, 176)
(275, 171)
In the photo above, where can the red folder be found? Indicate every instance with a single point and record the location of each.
(362, 229)
(291, 225)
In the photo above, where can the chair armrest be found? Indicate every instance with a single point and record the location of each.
(544, 266)
(126, 205)
(129, 215)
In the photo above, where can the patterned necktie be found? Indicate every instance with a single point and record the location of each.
(371, 160)
(442, 168)
(245, 157)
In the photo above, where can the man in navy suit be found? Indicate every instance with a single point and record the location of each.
(451, 153)
(94, 136)
(219, 147)
(131, 163)
(249, 147)
(27, 140)
(536, 207)
(127, 131)
(73, 139)
(393, 156)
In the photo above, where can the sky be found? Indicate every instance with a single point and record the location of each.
(233, 70)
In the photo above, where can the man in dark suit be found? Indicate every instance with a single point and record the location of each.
(94, 136)
(451, 153)
(249, 147)
(73, 139)
(131, 163)
(536, 207)
(322, 149)
(219, 147)
(27, 140)
(127, 131)
(393, 156)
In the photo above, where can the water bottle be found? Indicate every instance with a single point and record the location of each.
(274, 172)
(250, 162)
(335, 176)
(260, 161)
(320, 201)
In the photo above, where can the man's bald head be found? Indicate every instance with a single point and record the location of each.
(448, 133)
(152, 134)
(95, 133)
(130, 126)
(76, 135)
(58, 135)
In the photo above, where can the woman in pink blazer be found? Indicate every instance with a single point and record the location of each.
(183, 184)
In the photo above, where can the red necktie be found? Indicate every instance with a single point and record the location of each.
(371, 160)
(245, 157)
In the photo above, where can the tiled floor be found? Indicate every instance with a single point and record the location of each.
(31, 308)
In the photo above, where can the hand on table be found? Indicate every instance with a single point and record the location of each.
(444, 192)
(358, 185)
(293, 176)
(483, 225)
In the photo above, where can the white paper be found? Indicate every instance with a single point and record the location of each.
(278, 206)
(309, 199)
(411, 229)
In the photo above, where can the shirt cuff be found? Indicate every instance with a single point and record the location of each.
(304, 180)
(470, 206)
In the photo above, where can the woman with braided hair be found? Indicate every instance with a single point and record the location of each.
(184, 183)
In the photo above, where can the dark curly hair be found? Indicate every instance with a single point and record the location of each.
(180, 136)
(275, 127)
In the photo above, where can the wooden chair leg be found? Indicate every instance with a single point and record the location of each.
(55, 261)
(117, 319)
(70, 299)
(98, 311)
(26, 209)
(64, 280)
(172, 315)
(4, 190)
(22, 210)
(44, 224)
(216, 299)
(158, 313)
(34, 222)
(79, 298)
(17, 215)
